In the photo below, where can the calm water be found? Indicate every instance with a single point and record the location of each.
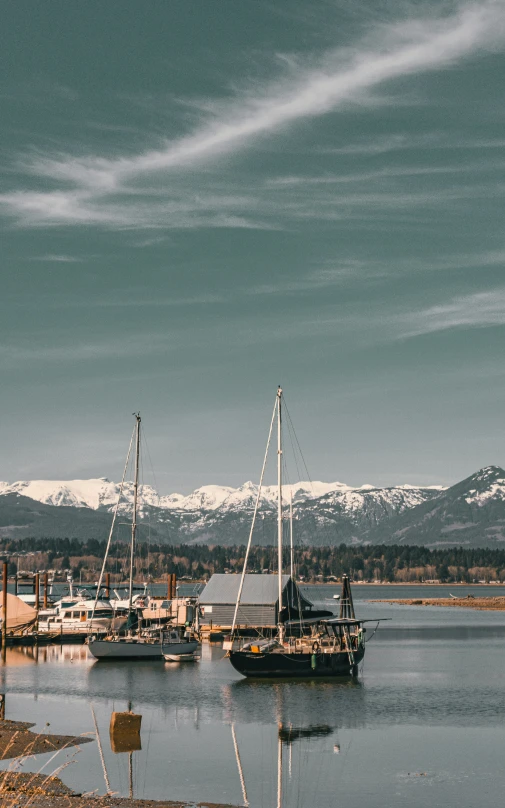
(423, 725)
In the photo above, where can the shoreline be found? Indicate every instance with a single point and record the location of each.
(20, 788)
(488, 604)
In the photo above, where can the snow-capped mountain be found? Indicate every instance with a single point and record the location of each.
(324, 512)
(471, 512)
(95, 494)
(101, 493)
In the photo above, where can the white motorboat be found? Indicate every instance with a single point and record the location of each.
(178, 647)
(121, 600)
(76, 616)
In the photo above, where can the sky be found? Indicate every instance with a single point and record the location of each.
(202, 200)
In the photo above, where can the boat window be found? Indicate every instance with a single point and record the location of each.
(67, 614)
(165, 604)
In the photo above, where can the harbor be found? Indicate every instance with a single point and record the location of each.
(333, 734)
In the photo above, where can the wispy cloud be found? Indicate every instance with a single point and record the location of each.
(85, 350)
(59, 259)
(402, 141)
(478, 310)
(314, 280)
(370, 176)
(119, 192)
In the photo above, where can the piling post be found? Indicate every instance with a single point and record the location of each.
(174, 585)
(16, 583)
(4, 609)
(37, 591)
(2, 706)
(46, 583)
(169, 586)
(107, 585)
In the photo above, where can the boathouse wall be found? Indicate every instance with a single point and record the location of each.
(258, 606)
(222, 615)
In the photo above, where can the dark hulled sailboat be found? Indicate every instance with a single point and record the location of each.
(331, 646)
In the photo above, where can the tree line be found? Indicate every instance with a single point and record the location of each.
(385, 563)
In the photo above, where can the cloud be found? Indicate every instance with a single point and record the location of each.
(119, 192)
(106, 349)
(401, 141)
(478, 310)
(370, 176)
(58, 259)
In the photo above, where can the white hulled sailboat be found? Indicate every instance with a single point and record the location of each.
(130, 642)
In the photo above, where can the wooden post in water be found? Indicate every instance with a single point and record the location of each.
(37, 591)
(169, 587)
(16, 583)
(107, 585)
(4, 610)
(46, 584)
(174, 585)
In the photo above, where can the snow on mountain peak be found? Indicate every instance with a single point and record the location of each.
(489, 484)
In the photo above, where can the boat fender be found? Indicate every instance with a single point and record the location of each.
(313, 662)
(315, 647)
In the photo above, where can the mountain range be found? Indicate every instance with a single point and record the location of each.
(470, 513)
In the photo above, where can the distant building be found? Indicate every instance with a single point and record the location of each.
(259, 603)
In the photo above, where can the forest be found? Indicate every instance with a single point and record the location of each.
(367, 563)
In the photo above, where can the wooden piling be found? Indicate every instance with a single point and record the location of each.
(46, 584)
(4, 609)
(16, 583)
(107, 585)
(37, 590)
(125, 732)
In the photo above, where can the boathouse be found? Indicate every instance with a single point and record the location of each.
(259, 603)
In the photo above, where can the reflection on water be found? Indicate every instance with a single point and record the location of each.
(25, 655)
(424, 723)
(290, 734)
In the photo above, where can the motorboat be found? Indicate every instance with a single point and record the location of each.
(77, 615)
(178, 645)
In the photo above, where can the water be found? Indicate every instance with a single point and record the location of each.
(423, 725)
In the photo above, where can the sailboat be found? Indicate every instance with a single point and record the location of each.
(130, 642)
(332, 646)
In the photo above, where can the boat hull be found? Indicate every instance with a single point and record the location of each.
(180, 657)
(295, 666)
(173, 650)
(125, 649)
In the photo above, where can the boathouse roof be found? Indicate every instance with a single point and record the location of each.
(259, 589)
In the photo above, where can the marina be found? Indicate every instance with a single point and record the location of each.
(415, 726)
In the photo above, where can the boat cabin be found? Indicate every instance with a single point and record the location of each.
(180, 611)
(76, 616)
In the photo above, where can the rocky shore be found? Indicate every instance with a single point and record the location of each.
(20, 789)
(77, 801)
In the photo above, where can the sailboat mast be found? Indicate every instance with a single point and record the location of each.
(291, 554)
(279, 494)
(279, 767)
(135, 498)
